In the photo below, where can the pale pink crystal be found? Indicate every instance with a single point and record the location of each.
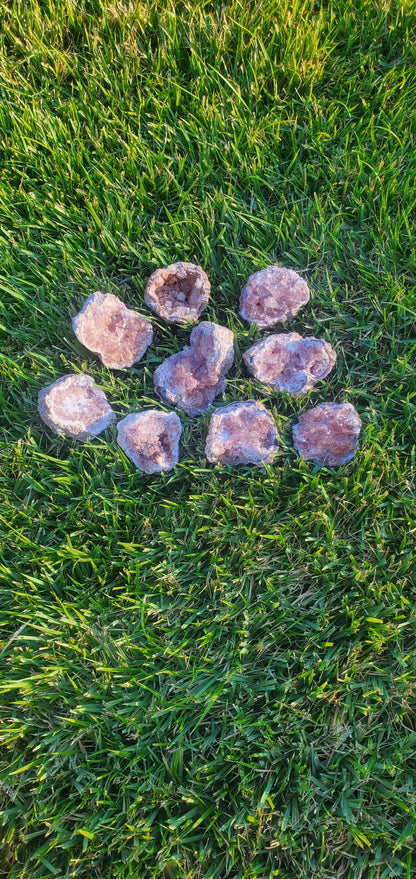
(151, 439)
(242, 433)
(272, 296)
(117, 334)
(75, 407)
(178, 293)
(327, 434)
(193, 378)
(288, 362)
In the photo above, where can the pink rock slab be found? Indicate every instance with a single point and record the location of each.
(288, 362)
(117, 334)
(327, 434)
(75, 407)
(242, 433)
(178, 293)
(272, 296)
(151, 439)
(193, 378)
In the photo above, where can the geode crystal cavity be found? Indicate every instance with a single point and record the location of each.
(272, 296)
(117, 334)
(242, 433)
(193, 378)
(75, 407)
(327, 434)
(178, 293)
(288, 362)
(151, 439)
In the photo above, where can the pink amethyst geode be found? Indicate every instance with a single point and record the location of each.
(242, 433)
(75, 407)
(117, 334)
(288, 362)
(151, 439)
(272, 296)
(327, 434)
(178, 293)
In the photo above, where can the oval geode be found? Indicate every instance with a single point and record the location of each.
(116, 333)
(327, 434)
(242, 433)
(192, 378)
(75, 407)
(273, 295)
(151, 439)
(289, 362)
(178, 293)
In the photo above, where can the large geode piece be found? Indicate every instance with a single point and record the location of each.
(75, 407)
(288, 362)
(327, 434)
(151, 439)
(193, 378)
(272, 296)
(178, 293)
(242, 433)
(117, 334)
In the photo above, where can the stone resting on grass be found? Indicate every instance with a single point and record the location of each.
(288, 362)
(193, 378)
(327, 434)
(75, 407)
(178, 293)
(151, 439)
(273, 296)
(117, 334)
(242, 433)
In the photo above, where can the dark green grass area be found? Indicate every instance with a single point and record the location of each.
(209, 673)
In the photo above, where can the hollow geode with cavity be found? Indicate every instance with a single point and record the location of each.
(272, 296)
(151, 439)
(116, 333)
(289, 362)
(178, 293)
(327, 434)
(242, 433)
(193, 378)
(75, 407)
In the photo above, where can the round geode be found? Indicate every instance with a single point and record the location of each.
(178, 293)
(192, 378)
(272, 296)
(116, 333)
(327, 434)
(289, 362)
(151, 439)
(242, 433)
(75, 407)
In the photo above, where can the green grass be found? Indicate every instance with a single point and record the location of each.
(210, 673)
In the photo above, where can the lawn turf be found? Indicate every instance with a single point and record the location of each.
(209, 673)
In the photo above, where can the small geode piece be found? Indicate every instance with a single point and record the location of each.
(272, 296)
(116, 333)
(288, 362)
(327, 434)
(178, 293)
(75, 407)
(242, 433)
(193, 378)
(151, 439)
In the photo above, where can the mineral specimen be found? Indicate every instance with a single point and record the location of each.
(75, 407)
(327, 434)
(290, 363)
(272, 296)
(192, 378)
(117, 334)
(151, 439)
(178, 293)
(242, 433)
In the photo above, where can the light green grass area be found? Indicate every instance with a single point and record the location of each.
(209, 673)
